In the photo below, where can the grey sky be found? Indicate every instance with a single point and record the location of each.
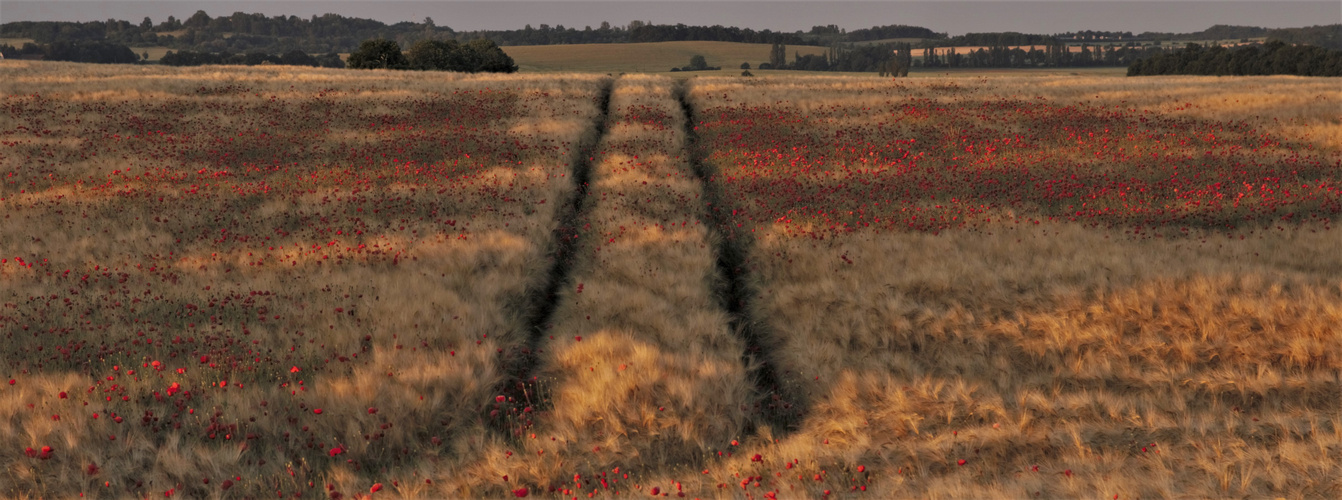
(952, 16)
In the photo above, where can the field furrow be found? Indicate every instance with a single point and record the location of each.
(780, 407)
(641, 369)
(511, 414)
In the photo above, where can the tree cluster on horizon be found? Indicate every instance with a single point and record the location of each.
(291, 58)
(1273, 58)
(77, 51)
(477, 56)
(254, 32)
(896, 58)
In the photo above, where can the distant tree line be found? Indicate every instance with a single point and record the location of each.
(78, 51)
(1092, 35)
(291, 58)
(996, 39)
(1055, 55)
(433, 55)
(830, 35)
(239, 32)
(1217, 32)
(1328, 37)
(897, 58)
(1325, 36)
(634, 32)
(888, 32)
(1273, 58)
(243, 32)
(681, 32)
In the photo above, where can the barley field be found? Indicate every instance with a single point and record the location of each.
(279, 282)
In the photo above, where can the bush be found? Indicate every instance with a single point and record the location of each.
(297, 58)
(331, 60)
(90, 52)
(378, 54)
(437, 55)
(477, 56)
(292, 58)
(189, 58)
(698, 63)
(490, 58)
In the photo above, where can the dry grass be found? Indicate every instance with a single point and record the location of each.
(641, 371)
(1066, 348)
(375, 233)
(671, 383)
(1300, 108)
(1058, 359)
(236, 223)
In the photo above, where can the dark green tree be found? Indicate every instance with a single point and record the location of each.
(259, 58)
(90, 52)
(777, 56)
(198, 20)
(378, 54)
(904, 55)
(489, 58)
(297, 58)
(331, 60)
(697, 62)
(437, 55)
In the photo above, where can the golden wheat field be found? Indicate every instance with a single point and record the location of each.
(279, 282)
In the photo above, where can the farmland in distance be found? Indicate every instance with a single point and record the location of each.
(279, 282)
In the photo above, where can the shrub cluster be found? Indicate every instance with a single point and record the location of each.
(473, 57)
(291, 58)
(87, 52)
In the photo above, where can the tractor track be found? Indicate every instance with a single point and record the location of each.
(519, 387)
(777, 406)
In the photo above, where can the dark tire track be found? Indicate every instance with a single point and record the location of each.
(777, 405)
(519, 387)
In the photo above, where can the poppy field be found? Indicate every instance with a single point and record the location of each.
(248, 284)
(280, 282)
(992, 289)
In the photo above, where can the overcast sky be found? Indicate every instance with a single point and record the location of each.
(954, 17)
